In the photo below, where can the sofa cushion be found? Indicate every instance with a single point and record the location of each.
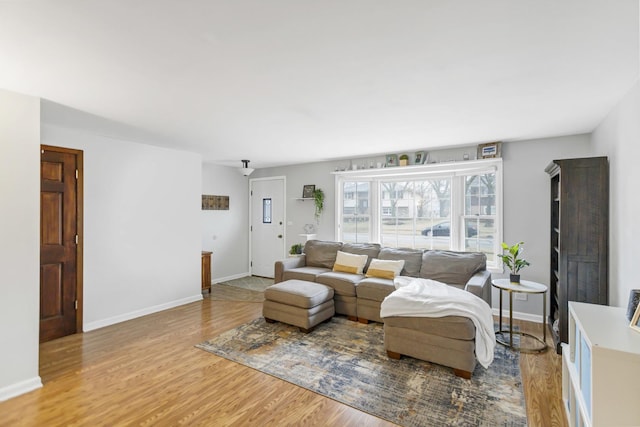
(342, 283)
(371, 250)
(350, 263)
(385, 268)
(374, 288)
(453, 327)
(298, 293)
(320, 253)
(452, 268)
(304, 273)
(412, 259)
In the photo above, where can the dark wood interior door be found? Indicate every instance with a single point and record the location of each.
(58, 243)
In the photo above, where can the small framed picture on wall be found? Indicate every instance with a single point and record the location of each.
(307, 191)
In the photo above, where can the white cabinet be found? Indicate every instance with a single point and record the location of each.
(601, 367)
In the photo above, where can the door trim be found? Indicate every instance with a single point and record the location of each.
(79, 227)
(282, 178)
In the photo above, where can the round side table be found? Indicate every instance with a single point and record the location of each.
(527, 287)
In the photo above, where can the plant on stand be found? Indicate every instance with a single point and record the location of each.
(513, 261)
(318, 199)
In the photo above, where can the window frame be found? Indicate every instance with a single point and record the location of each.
(454, 170)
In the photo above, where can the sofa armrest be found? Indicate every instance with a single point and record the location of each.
(287, 264)
(480, 285)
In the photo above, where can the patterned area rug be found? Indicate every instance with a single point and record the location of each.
(346, 361)
(246, 289)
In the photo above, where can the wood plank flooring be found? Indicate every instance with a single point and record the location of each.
(147, 372)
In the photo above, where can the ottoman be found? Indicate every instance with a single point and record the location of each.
(448, 341)
(298, 303)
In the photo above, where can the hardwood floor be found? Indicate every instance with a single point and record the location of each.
(147, 372)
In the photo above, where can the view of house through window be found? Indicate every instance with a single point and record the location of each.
(449, 210)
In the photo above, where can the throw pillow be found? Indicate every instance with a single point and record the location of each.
(349, 263)
(385, 269)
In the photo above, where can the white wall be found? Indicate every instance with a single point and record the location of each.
(618, 137)
(141, 225)
(226, 233)
(526, 188)
(20, 243)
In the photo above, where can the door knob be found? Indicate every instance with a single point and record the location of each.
(279, 236)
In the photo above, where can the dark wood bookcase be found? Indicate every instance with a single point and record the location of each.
(579, 238)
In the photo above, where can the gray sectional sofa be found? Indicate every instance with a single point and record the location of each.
(448, 340)
(359, 297)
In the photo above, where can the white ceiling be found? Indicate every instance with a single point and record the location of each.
(294, 81)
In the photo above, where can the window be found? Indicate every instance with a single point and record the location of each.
(452, 206)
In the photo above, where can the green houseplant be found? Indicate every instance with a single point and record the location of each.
(513, 261)
(296, 249)
(403, 160)
(318, 199)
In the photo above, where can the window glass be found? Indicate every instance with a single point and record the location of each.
(479, 214)
(449, 206)
(356, 218)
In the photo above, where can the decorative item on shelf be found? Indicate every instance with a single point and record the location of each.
(489, 150)
(391, 160)
(403, 160)
(635, 320)
(296, 249)
(512, 261)
(307, 191)
(309, 229)
(419, 159)
(318, 198)
(634, 298)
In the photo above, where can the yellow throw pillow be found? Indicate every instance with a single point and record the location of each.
(385, 268)
(350, 263)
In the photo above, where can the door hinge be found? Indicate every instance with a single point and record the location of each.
(251, 264)
(76, 173)
(76, 304)
(77, 239)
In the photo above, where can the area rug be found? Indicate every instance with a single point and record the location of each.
(346, 361)
(252, 283)
(246, 289)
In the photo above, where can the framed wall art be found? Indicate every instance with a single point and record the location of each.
(489, 150)
(307, 191)
(391, 160)
(635, 321)
(215, 203)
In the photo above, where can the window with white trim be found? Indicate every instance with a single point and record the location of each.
(455, 206)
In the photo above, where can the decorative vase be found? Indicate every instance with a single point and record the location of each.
(634, 299)
(514, 278)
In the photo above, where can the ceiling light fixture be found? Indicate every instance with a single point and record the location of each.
(245, 169)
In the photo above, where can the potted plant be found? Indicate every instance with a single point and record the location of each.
(403, 160)
(296, 249)
(512, 260)
(318, 199)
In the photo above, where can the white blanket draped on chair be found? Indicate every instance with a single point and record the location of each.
(416, 297)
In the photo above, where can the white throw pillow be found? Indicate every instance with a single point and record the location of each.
(385, 268)
(350, 263)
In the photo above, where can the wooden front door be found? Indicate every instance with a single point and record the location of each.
(60, 263)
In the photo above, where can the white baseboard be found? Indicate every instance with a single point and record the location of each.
(232, 277)
(536, 318)
(139, 313)
(19, 388)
